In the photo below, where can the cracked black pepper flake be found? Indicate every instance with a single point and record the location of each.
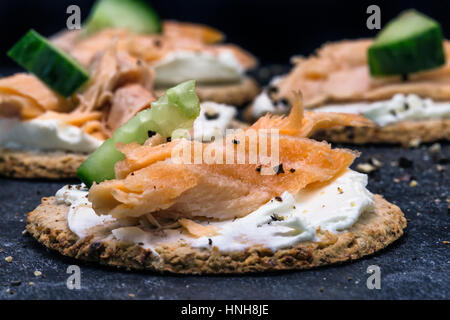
(151, 133)
(284, 102)
(16, 283)
(210, 115)
(235, 141)
(278, 169)
(272, 89)
(258, 168)
(276, 217)
(278, 199)
(406, 106)
(292, 170)
(157, 43)
(210, 242)
(169, 139)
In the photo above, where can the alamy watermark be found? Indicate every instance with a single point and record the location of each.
(374, 20)
(374, 281)
(74, 20)
(74, 280)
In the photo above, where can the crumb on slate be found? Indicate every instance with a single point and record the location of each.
(414, 143)
(365, 167)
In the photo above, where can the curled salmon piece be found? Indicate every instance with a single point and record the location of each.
(25, 96)
(302, 123)
(75, 118)
(152, 180)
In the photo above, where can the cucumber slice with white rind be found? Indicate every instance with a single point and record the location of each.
(177, 109)
(52, 66)
(410, 43)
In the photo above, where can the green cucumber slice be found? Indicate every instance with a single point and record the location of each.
(410, 43)
(135, 15)
(51, 65)
(177, 109)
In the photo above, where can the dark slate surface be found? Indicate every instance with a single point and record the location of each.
(414, 267)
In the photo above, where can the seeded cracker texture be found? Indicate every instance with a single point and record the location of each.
(235, 94)
(373, 232)
(35, 164)
(404, 133)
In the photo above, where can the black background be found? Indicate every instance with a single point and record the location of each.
(273, 30)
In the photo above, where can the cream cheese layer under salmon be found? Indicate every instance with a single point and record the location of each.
(151, 181)
(339, 72)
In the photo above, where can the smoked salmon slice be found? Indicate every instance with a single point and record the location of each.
(151, 180)
(339, 72)
(25, 95)
(152, 48)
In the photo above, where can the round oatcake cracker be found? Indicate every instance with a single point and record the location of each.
(36, 164)
(404, 133)
(235, 94)
(372, 232)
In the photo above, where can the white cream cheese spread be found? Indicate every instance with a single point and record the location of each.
(81, 216)
(213, 120)
(399, 108)
(205, 67)
(282, 222)
(45, 135)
